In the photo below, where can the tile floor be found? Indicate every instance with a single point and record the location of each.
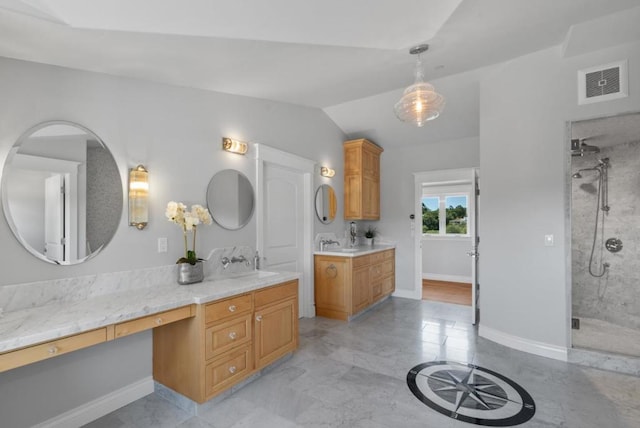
(354, 375)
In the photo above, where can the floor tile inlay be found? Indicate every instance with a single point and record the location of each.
(470, 393)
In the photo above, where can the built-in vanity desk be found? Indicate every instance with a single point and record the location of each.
(207, 336)
(349, 280)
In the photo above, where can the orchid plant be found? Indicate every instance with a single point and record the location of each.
(188, 221)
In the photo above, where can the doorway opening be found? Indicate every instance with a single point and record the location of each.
(446, 237)
(603, 177)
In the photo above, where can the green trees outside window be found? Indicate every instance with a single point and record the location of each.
(447, 213)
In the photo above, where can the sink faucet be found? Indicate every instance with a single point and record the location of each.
(353, 231)
(325, 242)
(226, 261)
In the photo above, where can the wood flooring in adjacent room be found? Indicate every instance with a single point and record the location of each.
(447, 292)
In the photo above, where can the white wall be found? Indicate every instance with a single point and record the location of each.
(397, 195)
(524, 107)
(175, 132)
(446, 259)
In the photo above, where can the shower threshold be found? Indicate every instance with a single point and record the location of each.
(607, 337)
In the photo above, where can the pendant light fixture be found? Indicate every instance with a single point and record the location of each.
(420, 102)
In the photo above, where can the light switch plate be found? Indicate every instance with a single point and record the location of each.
(162, 245)
(548, 240)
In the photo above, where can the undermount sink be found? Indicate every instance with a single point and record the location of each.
(342, 250)
(257, 274)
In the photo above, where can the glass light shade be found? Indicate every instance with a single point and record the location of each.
(327, 172)
(234, 146)
(138, 197)
(419, 104)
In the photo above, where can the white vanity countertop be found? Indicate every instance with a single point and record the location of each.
(26, 327)
(355, 251)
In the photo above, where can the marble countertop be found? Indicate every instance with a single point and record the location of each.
(355, 251)
(30, 326)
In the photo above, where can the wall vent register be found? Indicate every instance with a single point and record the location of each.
(603, 83)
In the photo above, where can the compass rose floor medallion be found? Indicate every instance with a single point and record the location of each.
(471, 394)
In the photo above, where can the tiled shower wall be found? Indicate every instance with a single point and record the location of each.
(615, 297)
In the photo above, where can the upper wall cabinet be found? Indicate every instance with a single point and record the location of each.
(361, 180)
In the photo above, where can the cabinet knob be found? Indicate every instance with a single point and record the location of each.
(53, 350)
(258, 318)
(233, 335)
(232, 369)
(232, 308)
(158, 321)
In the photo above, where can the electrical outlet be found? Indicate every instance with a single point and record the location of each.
(162, 245)
(548, 240)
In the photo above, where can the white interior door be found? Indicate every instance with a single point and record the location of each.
(284, 213)
(473, 253)
(283, 193)
(54, 218)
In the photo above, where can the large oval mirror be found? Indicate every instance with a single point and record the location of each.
(61, 192)
(326, 204)
(230, 199)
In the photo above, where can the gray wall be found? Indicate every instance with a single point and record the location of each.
(616, 296)
(524, 107)
(446, 257)
(176, 133)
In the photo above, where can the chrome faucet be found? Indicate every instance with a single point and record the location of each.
(226, 261)
(325, 242)
(353, 231)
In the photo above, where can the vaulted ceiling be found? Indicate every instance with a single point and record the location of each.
(318, 53)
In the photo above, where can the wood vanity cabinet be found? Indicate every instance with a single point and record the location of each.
(227, 341)
(345, 286)
(361, 180)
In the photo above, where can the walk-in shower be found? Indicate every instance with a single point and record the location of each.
(605, 234)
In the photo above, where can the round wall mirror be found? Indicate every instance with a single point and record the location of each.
(326, 204)
(230, 199)
(61, 192)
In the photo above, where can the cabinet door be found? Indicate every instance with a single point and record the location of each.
(276, 330)
(371, 198)
(361, 289)
(331, 291)
(352, 197)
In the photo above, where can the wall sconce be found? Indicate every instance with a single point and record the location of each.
(325, 171)
(234, 146)
(138, 197)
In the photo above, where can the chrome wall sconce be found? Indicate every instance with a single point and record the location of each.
(325, 171)
(234, 146)
(138, 197)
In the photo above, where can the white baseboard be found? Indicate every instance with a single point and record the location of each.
(407, 294)
(526, 345)
(101, 406)
(450, 278)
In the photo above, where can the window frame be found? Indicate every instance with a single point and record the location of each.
(442, 193)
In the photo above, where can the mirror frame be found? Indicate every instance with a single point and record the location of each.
(13, 151)
(211, 204)
(315, 202)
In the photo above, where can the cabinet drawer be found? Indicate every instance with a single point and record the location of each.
(29, 355)
(226, 336)
(152, 321)
(389, 254)
(376, 258)
(376, 290)
(228, 308)
(277, 293)
(228, 370)
(388, 285)
(386, 267)
(360, 261)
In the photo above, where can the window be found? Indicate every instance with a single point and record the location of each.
(445, 214)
